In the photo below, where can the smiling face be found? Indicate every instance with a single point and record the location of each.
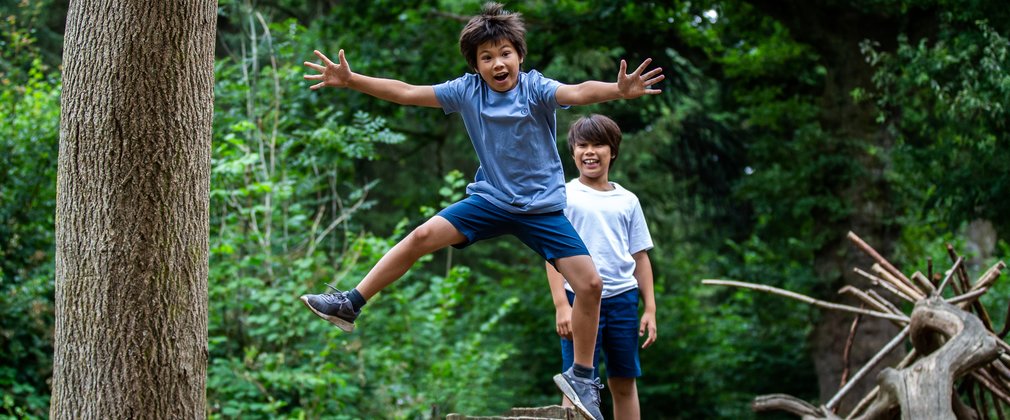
(593, 161)
(498, 64)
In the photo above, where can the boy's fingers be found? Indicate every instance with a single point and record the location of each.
(642, 66)
(313, 77)
(314, 66)
(317, 85)
(624, 67)
(652, 73)
(340, 56)
(656, 79)
(322, 57)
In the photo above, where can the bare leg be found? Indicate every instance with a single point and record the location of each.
(625, 393)
(431, 236)
(581, 274)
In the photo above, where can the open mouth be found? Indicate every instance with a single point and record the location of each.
(501, 77)
(590, 161)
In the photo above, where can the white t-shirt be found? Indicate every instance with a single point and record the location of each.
(613, 227)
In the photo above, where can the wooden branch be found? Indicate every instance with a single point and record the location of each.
(946, 279)
(893, 309)
(967, 298)
(804, 298)
(877, 281)
(791, 404)
(848, 349)
(990, 276)
(877, 358)
(909, 358)
(999, 366)
(872, 253)
(962, 273)
(987, 382)
(865, 298)
(927, 286)
(903, 285)
(1006, 323)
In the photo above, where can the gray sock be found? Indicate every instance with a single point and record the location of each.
(357, 301)
(582, 371)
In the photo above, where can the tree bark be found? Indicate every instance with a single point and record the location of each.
(133, 210)
(835, 30)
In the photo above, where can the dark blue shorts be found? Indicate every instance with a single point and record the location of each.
(549, 234)
(617, 336)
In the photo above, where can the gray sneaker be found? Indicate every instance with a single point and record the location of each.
(333, 307)
(584, 393)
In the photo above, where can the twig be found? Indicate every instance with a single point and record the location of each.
(877, 281)
(1001, 368)
(968, 298)
(962, 275)
(866, 299)
(929, 268)
(895, 342)
(950, 274)
(990, 276)
(848, 349)
(1006, 323)
(924, 282)
(984, 379)
(906, 287)
(885, 302)
(868, 250)
(804, 298)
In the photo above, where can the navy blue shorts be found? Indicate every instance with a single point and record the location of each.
(617, 336)
(549, 234)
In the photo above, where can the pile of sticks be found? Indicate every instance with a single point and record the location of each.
(953, 339)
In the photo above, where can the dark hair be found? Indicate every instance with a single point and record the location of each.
(494, 23)
(595, 129)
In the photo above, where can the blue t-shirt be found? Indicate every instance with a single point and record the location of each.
(514, 135)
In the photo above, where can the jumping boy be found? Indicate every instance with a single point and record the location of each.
(610, 221)
(518, 189)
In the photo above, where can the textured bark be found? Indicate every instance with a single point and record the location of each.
(132, 210)
(954, 343)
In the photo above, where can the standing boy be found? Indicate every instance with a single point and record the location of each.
(509, 115)
(610, 221)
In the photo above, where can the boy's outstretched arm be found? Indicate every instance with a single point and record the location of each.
(643, 273)
(628, 86)
(340, 75)
(563, 310)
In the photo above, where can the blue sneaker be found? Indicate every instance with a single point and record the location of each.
(584, 393)
(333, 307)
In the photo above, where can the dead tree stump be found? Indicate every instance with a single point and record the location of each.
(952, 338)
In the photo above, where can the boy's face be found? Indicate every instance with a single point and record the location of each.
(592, 160)
(498, 64)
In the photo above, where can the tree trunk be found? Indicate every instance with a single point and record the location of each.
(132, 210)
(835, 30)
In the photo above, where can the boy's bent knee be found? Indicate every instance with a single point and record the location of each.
(589, 286)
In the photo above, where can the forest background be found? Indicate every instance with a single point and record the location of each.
(782, 125)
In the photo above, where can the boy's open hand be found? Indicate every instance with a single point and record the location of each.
(637, 84)
(331, 74)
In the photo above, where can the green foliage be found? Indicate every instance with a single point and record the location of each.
(740, 165)
(288, 219)
(947, 101)
(29, 134)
